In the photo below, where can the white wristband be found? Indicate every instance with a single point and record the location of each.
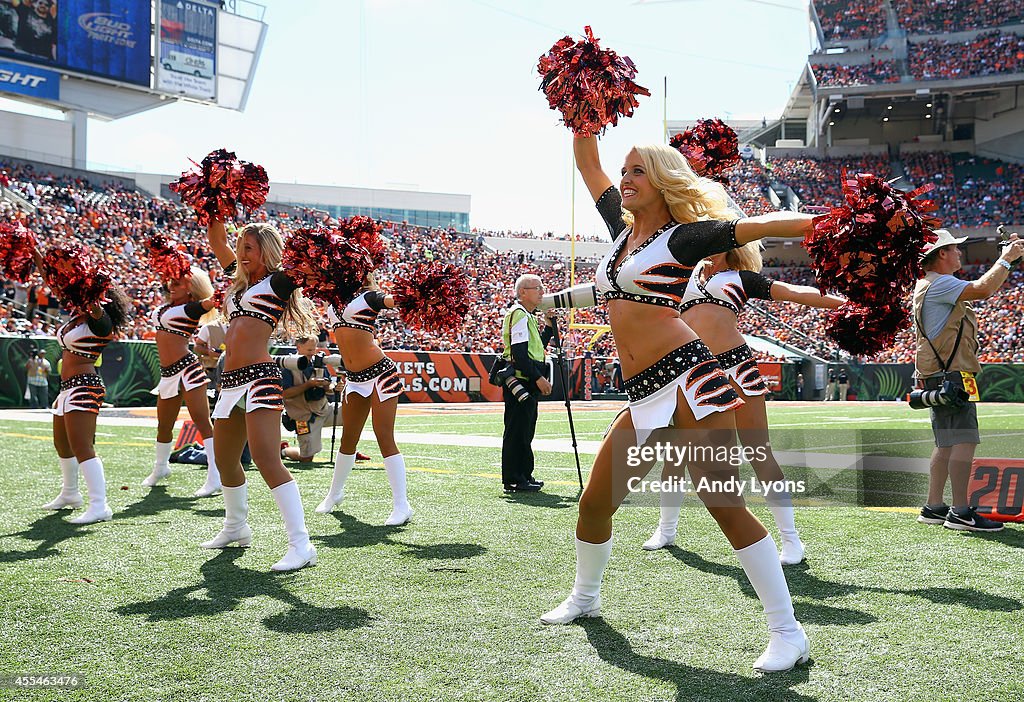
(1005, 264)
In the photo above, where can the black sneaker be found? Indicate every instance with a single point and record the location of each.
(970, 521)
(523, 487)
(934, 516)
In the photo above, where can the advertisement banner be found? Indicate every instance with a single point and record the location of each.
(29, 80)
(772, 374)
(108, 38)
(433, 376)
(187, 54)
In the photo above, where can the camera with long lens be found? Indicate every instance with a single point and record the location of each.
(949, 394)
(1004, 241)
(506, 375)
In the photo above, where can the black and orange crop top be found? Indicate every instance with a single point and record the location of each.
(264, 300)
(658, 271)
(182, 320)
(86, 336)
(729, 289)
(360, 313)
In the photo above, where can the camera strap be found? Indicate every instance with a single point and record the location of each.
(956, 344)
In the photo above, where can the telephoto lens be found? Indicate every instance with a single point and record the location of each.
(948, 394)
(517, 388)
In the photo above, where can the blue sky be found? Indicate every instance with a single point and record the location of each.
(441, 95)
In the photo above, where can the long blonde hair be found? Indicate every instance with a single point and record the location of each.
(746, 257)
(298, 314)
(689, 197)
(199, 289)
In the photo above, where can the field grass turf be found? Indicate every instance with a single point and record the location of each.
(446, 608)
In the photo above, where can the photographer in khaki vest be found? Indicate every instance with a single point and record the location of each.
(305, 403)
(946, 362)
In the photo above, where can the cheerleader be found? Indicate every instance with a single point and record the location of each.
(371, 386)
(189, 302)
(82, 340)
(249, 407)
(714, 298)
(672, 220)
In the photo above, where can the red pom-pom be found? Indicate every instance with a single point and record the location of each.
(77, 278)
(864, 331)
(870, 249)
(16, 246)
(433, 297)
(328, 266)
(220, 184)
(589, 85)
(711, 147)
(167, 258)
(365, 232)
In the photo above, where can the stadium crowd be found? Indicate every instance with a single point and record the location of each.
(988, 54)
(838, 75)
(945, 16)
(115, 220)
(856, 19)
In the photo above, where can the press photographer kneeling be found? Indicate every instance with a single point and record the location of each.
(945, 367)
(306, 408)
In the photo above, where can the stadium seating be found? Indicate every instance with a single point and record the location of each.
(944, 16)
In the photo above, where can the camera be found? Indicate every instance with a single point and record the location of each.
(1004, 241)
(506, 375)
(949, 394)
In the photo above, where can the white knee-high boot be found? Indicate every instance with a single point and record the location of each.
(401, 512)
(788, 644)
(665, 534)
(300, 551)
(343, 465)
(162, 466)
(98, 511)
(212, 485)
(236, 511)
(70, 497)
(585, 598)
(781, 505)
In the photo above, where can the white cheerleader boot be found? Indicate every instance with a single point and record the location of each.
(70, 496)
(585, 598)
(401, 512)
(300, 551)
(98, 511)
(665, 534)
(161, 468)
(212, 485)
(781, 505)
(343, 465)
(788, 644)
(236, 509)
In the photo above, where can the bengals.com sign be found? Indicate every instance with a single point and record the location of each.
(772, 374)
(434, 376)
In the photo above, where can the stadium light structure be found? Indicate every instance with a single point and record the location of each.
(112, 60)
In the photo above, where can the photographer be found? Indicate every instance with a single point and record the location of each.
(946, 363)
(305, 402)
(524, 360)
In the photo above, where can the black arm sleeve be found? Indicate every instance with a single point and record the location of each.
(375, 299)
(522, 361)
(282, 285)
(100, 327)
(231, 269)
(756, 285)
(549, 331)
(194, 310)
(609, 206)
(690, 243)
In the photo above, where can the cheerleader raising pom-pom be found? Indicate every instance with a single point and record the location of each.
(864, 331)
(365, 232)
(433, 297)
(325, 264)
(17, 244)
(589, 85)
(870, 248)
(166, 258)
(711, 147)
(220, 185)
(79, 281)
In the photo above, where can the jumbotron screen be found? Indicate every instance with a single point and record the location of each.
(108, 38)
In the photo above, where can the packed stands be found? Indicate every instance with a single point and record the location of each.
(856, 19)
(748, 186)
(988, 54)
(970, 190)
(945, 16)
(839, 75)
(818, 181)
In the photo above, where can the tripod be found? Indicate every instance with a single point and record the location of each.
(563, 373)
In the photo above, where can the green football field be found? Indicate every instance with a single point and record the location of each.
(446, 607)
